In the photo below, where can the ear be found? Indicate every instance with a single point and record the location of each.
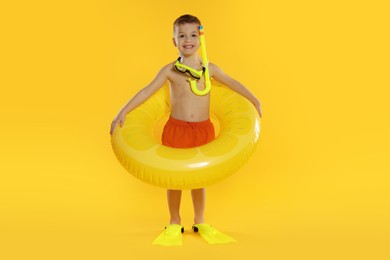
(174, 41)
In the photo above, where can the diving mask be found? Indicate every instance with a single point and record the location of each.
(196, 74)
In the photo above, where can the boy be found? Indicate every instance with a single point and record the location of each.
(189, 124)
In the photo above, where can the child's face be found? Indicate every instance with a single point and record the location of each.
(186, 38)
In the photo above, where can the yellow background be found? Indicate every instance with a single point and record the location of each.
(317, 187)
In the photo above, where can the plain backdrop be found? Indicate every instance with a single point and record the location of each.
(317, 186)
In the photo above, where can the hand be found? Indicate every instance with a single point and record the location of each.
(119, 119)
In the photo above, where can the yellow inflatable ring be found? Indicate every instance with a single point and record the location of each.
(139, 149)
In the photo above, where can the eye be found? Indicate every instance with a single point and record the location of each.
(181, 36)
(194, 35)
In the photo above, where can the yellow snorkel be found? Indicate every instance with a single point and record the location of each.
(205, 62)
(196, 75)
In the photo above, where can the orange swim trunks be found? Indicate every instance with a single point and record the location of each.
(182, 134)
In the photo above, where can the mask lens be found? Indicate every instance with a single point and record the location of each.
(187, 71)
(183, 70)
(192, 75)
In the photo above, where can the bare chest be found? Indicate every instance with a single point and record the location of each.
(180, 84)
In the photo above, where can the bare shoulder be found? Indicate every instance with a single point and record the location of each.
(216, 72)
(162, 76)
(214, 69)
(168, 66)
(167, 69)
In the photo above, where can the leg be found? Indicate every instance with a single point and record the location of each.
(199, 201)
(174, 198)
(171, 235)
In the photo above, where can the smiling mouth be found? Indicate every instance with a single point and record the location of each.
(188, 46)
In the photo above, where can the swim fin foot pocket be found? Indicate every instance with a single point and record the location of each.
(171, 236)
(212, 235)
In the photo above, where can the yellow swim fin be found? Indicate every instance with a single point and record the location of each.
(211, 235)
(171, 236)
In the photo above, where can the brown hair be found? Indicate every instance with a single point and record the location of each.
(187, 18)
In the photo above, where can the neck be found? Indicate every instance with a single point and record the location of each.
(192, 61)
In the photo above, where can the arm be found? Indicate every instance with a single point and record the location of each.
(140, 97)
(233, 84)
